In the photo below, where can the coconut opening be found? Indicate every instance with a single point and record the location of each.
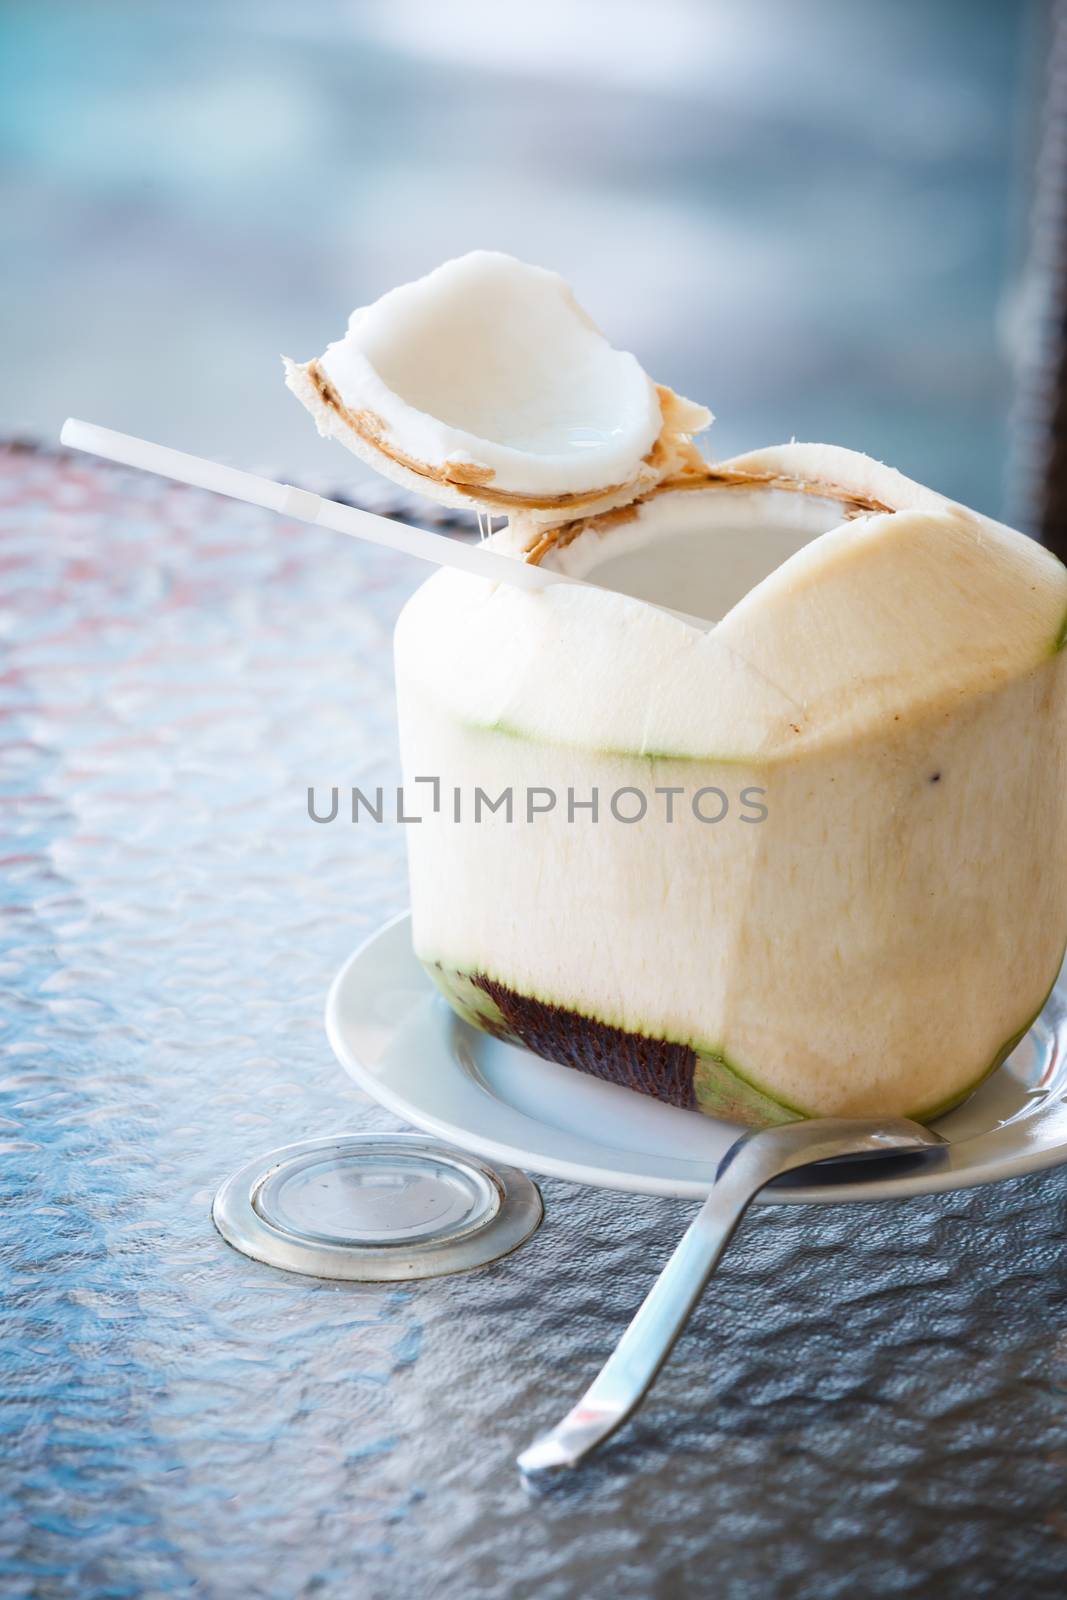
(706, 551)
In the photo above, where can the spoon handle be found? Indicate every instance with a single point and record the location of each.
(631, 1369)
(744, 1170)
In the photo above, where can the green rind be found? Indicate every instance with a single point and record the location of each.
(468, 1001)
(1061, 637)
(507, 730)
(724, 1092)
(720, 1089)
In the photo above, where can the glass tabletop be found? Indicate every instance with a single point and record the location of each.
(870, 1400)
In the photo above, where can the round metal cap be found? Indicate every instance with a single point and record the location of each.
(379, 1207)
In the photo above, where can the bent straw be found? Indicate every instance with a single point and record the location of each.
(304, 506)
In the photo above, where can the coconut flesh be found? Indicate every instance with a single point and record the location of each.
(880, 911)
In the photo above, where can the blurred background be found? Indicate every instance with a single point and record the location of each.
(813, 217)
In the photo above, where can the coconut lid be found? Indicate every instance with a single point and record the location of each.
(485, 385)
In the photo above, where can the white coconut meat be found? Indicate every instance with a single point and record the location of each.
(486, 385)
(886, 675)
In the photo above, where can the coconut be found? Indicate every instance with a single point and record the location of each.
(485, 385)
(810, 862)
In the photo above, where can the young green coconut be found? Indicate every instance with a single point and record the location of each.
(810, 862)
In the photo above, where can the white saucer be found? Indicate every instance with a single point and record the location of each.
(400, 1041)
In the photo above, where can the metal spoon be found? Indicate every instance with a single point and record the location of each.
(744, 1170)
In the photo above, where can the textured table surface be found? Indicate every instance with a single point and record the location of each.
(870, 1401)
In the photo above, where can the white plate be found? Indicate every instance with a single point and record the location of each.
(400, 1041)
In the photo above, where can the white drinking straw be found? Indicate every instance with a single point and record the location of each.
(301, 504)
